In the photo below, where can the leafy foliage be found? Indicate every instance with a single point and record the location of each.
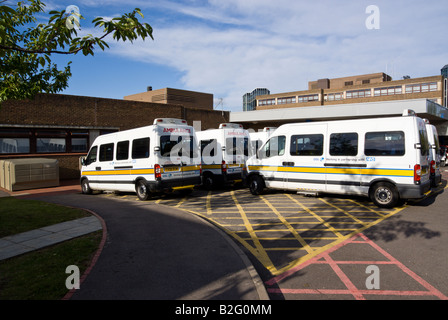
(26, 47)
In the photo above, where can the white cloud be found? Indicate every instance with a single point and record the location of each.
(231, 47)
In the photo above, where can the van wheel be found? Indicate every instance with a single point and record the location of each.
(256, 185)
(208, 182)
(384, 195)
(142, 190)
(85, 188)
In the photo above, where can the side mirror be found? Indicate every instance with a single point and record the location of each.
(83, 161)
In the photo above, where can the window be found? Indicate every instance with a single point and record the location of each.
(308, 98)
(107, 152)
(178, 146)
(266, 102)
(367, 81)
(79, 141)
(421, 87)
(79, 144)
(274, 147)
(140, 148)
(358, 94)
(286, 100)
(48, 141)
(384, 143)
(123, 150)
(91, 157)
(48, 145)
(334, 96)
(14, 145)
(237, 146)
(307, 145)
(344, 144)
(348, 83)
(423, 135)
(389, 91)
(210, 147)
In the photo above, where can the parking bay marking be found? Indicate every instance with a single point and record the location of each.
(230, 224)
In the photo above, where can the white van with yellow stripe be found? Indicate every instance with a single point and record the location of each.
(159, 158)
(224, 152)
(386, 159)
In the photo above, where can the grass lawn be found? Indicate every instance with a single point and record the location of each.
(40, 275)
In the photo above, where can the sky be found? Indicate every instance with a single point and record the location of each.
(230, 47)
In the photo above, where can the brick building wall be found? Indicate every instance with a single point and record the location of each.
(57, 111)
(337, 86)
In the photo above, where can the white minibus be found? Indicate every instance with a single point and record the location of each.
(386, 159)
(224, 152)
(154, 159)
(434, 154)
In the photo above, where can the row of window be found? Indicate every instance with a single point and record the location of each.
(17, 141)
(139, 149)
(390, 143)
(358, 94)
(353, 94)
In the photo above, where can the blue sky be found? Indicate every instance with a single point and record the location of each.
(230, 47)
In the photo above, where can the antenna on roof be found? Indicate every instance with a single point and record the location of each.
(220, 102)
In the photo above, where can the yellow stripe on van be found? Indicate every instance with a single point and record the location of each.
(330, 170)
(211, 166)
(191, 168)
(118, 172)
(388, 172)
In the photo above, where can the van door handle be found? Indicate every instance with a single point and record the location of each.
(288, 164)
(98, 168)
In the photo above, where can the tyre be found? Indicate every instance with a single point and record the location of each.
(142, 190)
(256, 185)
(85, 188)
(384, 195)
(208, 182)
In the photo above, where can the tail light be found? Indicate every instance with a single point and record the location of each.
(224, 167)
(157, 171)
(433, 167)
(417, 173)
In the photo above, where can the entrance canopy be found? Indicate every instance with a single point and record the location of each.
(435, 113)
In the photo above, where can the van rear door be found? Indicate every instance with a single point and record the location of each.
(422, 154)
(179, 159)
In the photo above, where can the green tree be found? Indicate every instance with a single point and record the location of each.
(26, 47)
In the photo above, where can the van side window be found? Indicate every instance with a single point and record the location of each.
(274, 147)
(307, 145)
(123, 150)
(344, 144)
(424, 141)
(389, 143)
(140, 148)
(107, 152)
(91, 157)
(210, 147)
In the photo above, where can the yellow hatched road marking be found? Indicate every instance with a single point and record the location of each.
(342, 210)
(263, 257)
(208, 203)
(251, 241)
(288, 225)
(325, 223)
(334, 243)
